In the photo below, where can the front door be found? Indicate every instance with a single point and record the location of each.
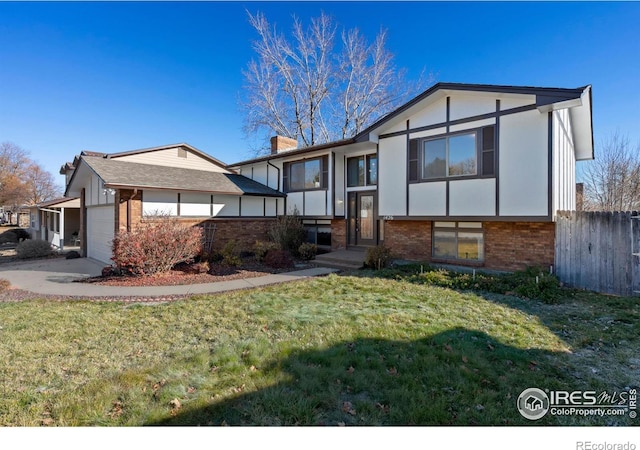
(363, 219)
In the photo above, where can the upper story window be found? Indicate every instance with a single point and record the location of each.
(307, 174)
(466, 154)
(362, 170)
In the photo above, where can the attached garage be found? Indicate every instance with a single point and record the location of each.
(100, 229)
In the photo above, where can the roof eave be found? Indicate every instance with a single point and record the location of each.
(582, 122)
(545, 98)
(298, 151)
(168, 188)
(165, 147)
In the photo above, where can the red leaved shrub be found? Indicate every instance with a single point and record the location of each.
(157, 246)
(279, 259)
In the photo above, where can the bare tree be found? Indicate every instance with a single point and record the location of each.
(307, 90)
(13, 162)
(612, 180)
(23, 181)
(39, 185)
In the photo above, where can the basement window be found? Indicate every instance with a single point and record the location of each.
(458, 241)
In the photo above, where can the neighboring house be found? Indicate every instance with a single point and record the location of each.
(56, 221)
(121, 190)
(18, 216)
(464, 173)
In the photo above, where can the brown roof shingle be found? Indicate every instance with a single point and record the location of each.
(119, 174)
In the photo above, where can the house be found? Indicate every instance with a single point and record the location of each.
(465, 174)
(56, 221)
(17, 215)
(119, 191)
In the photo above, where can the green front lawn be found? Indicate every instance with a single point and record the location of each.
(353, 350)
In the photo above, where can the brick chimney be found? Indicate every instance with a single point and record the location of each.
(281, 144)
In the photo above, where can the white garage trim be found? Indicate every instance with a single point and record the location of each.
(100, 226)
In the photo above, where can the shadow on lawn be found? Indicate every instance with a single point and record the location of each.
(458, 377)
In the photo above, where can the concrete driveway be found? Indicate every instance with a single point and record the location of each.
(57, 276)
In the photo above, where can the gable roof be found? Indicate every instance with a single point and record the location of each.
(298, 151)
(125, 174)
(58, 201)
(547, 99)
(188, 147)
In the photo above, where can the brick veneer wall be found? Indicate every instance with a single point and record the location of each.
(517, 245)
(507, 245)
(408, 239)
(338, 234)
(122, 197)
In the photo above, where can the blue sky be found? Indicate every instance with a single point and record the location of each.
(117, 76)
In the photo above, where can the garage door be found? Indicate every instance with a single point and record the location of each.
(100, 222)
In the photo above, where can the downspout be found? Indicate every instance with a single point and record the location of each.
(278, 189)
(278, 169)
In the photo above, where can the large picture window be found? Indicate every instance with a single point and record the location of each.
(465, 154)
(307, 174)
(450, 157)
(458, 241)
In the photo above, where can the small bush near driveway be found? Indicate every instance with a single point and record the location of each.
(33, 249)
(156, 246)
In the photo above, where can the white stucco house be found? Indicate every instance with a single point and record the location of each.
(464, 173)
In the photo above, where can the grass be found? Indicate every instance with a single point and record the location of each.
(353, 350)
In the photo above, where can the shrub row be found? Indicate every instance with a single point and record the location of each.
(532, 283)
(158, 246)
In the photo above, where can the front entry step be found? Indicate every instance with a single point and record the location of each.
(341, 259)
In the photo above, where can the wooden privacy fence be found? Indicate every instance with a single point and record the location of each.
(599, 251)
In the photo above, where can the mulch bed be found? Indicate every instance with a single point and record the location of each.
(183, 274)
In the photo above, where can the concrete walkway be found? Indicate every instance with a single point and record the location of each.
(57, 276)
